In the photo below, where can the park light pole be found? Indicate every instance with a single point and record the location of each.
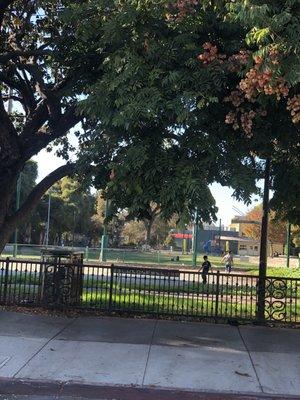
(220, 232)
(48, 220)
(104, 238)
(74, 226)
(288, 244)
(195, 239)
(18, 193)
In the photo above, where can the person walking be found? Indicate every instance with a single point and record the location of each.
(228, 261)
(206, 266)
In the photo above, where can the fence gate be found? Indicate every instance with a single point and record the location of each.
(281, 299)
(62, 284)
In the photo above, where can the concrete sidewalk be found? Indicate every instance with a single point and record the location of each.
(149, 354)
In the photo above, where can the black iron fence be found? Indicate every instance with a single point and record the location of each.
(168, 292)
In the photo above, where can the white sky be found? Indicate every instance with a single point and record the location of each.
(47, 162)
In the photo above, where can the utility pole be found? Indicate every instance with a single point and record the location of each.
(195, 239)
(263, 247)
(288, 244)
(104, 238)
(48, 220)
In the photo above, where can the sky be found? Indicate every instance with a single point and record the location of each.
(47, 162)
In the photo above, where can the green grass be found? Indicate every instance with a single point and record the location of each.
(164, 259)
(197, 307)
(160, 304)
(200, 303)
(281, 272)
(152, 258)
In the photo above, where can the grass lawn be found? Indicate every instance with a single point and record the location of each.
(280, 272)
(168, 260)
(169, 304)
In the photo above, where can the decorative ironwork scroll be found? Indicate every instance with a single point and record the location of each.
(276, 299)
(62, 284)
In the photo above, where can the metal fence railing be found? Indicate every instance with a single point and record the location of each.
(162, 292)
(135, 256)
(112, 255)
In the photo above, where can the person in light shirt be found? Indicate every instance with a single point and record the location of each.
(228, 261)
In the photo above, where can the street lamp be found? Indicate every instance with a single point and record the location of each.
(288, 244)
(195, 239)
(18, 192)
(48, 219)
(104, 238)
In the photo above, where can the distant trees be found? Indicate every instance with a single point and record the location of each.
(296, 235)
(134, 233)
(276, 231)
(71, 210)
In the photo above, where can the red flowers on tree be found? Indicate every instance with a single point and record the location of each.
(180, 9)
(260, 79)
(293, 105)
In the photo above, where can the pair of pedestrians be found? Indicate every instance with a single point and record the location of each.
(206, 265)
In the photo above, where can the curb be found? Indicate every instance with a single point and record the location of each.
(28, 387)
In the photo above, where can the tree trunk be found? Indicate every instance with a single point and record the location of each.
(148, 225)
(263, 247)
(9, 220)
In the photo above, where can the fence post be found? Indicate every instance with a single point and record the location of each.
(87, 253)
(217, 296)
(111, 282)
(6, 280)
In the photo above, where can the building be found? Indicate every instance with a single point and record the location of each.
(209, 240)
(249, 246)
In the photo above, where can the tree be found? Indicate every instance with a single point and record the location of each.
(115, 221)
(153, 179)
(144, 85)
(71, 211)
(272, 25)
(273, 31)
(134, 232)
(265, 109)
(296, 235)
(38, 74)
(169, 146)
(276, 231)
(161, 231)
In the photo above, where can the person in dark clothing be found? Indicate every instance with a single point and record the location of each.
(206, 266)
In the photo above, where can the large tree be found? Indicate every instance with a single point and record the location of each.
(135, 66)
(40, 83)
(272, 80)
(151, 101)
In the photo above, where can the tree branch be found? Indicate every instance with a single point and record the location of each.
(8, 134)
(25, 91)
(12, 55)
(36, 139)
(37, 193)
(4, 4)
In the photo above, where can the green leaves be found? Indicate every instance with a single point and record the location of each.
(258, 35)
